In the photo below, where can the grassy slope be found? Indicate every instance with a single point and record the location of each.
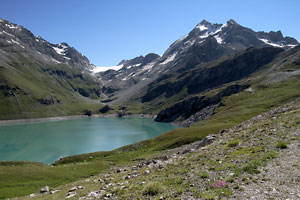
(38, 84)
(236, 158)
(239, 108)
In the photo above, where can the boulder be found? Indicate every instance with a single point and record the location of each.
(44, 189)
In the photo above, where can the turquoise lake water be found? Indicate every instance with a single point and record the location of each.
(49, 141)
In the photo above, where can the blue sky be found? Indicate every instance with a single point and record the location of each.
(107, 31)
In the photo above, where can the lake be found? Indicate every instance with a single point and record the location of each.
(48, 141)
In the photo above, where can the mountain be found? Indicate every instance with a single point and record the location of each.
(132, 71)
(205, 44)
(17, 39)
(40, 79)
(226, 85)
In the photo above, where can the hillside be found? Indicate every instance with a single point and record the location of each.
(203, 46)
(255, 159)
(40, 79)
(218, 81)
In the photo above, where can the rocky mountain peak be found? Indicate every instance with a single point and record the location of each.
(17, 39)
(231, 22)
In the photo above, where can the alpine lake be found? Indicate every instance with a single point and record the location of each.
(48, 141)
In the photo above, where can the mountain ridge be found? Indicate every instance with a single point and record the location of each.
(207, 42)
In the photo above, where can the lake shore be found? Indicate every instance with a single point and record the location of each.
(59, 118)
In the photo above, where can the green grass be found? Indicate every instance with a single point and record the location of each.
(233, 143)
(153, 189)
(282, 145)
(19, 178)
(29, 76)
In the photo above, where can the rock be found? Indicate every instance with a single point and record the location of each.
(88, 113)
(44, 189)
(73, 189)
(79, 187)
(32, 195)
(108, 195)
(54, 191)
(127, 177)
(49, 100)
(251, 90)
(223, 131)
(188, 107)
(147, 172)
(71, 194)
(119, 170)
(206, 141)
(105, 109)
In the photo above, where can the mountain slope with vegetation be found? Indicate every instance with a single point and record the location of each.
(205, 92)
(268, 93)
(250, 160)
(40, 79)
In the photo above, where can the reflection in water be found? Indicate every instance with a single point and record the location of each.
(48, 141)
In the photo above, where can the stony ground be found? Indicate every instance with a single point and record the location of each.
(258, 159)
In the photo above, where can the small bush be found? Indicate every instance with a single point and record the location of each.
(203, 175)
(281, 145)
(230, 179)
(153, 189)
(233, 143)
(251, 168)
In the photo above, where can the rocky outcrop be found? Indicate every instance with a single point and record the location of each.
(196, 108)
(44, 189)
(202, 77)
(105, 109)
(10, 91)
(49, 100)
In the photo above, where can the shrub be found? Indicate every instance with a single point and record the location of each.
(203, 175)
(153, 189)
(281, 145)
(233, 143)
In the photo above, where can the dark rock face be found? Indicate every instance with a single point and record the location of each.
(12, 91)
(49, 100)
(206, 43)
(105, 109)
(88, 113)
(140, 60)
(17, 39)
(204, 78)
(190, 106)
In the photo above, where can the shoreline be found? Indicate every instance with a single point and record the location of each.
(60, 118)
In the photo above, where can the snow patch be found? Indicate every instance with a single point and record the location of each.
(169, 59)
(271, 43)
(189, 43)
(17, 43)
(8, 34)
(59, 51)
(12, 26)
(221, 28)
(102, 69)
(202, 27)
(54, 60)
(219, 39)
(212, 31)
